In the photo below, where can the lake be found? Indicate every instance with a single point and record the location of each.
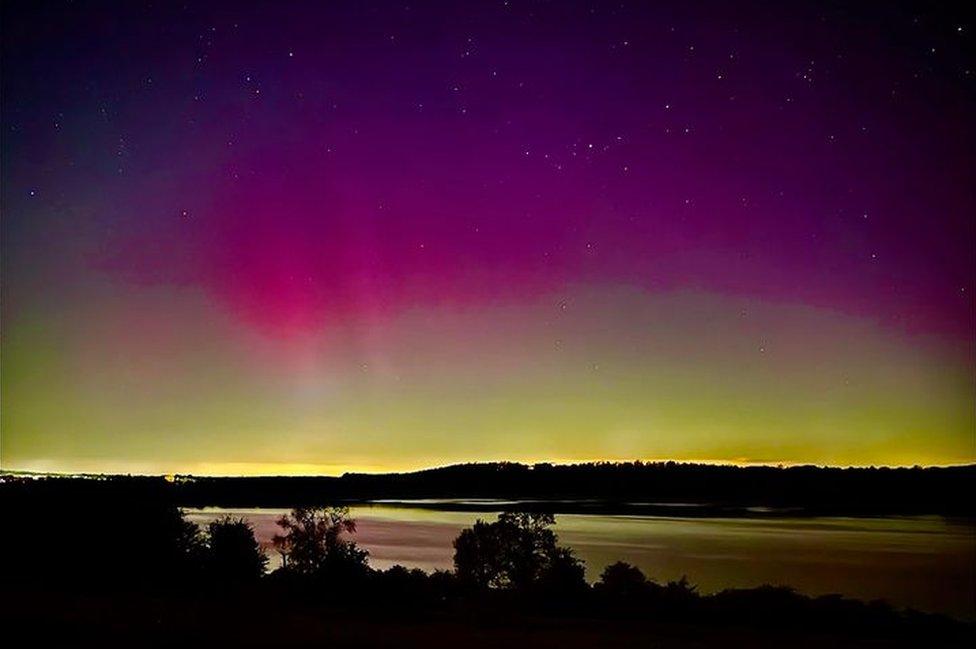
(928, 563)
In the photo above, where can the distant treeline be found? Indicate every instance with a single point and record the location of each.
(623, 487)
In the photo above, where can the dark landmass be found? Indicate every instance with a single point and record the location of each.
(149, 577)
(650, 488)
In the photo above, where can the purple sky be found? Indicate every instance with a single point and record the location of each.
(319, 173)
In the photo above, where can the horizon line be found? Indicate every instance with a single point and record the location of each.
(435, 467)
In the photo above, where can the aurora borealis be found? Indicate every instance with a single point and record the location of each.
(302, 237)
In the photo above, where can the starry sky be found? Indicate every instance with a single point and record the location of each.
(309, 237)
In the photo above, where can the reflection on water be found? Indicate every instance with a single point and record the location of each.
(927, 563)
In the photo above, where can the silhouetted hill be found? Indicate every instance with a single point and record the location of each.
(619, 487)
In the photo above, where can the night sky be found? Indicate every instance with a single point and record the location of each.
(297, 237)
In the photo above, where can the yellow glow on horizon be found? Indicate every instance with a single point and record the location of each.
(298, 469)
(684, 380)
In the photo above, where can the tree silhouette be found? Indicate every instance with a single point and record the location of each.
(313, 541)
(174, 544)
(623, 581)
(233, 554)
(681, 590)
(516, 551)
(563, 577)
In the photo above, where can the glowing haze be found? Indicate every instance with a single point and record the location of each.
(319, 237)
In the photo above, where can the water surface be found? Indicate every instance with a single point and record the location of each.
(928, 563)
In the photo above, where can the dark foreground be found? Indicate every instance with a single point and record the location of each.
(167, 582)
(256, 619)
